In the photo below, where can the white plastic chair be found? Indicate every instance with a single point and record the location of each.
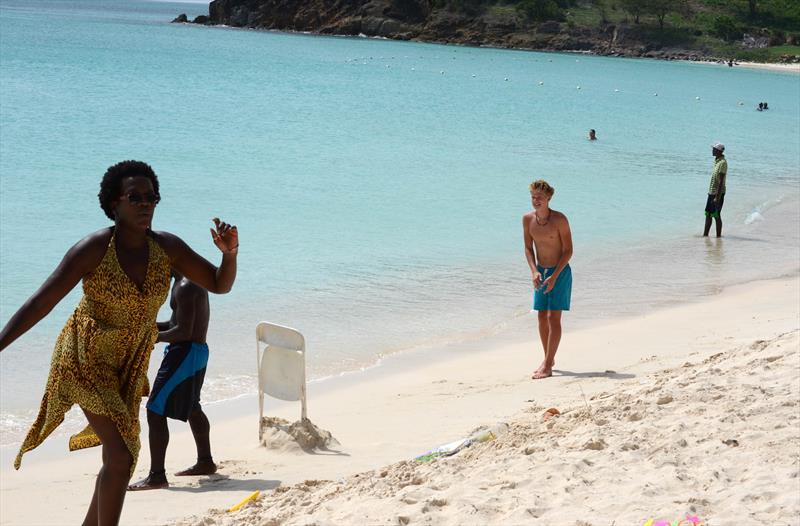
(281, 366)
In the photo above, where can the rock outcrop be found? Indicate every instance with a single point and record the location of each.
(420, 20)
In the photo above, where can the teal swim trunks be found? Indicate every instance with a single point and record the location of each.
(558, 298)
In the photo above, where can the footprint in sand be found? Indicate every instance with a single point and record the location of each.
(595, 444)
(666, 399)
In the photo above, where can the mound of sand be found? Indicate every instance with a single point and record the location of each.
(718, 439)
(303, 435)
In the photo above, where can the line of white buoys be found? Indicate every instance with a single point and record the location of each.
(577, 87)
(616, 91)
(473, 75)
(441, 73)
(413, 69)
(655, 94)
(541, 83)
(697, 98)
(506, 79)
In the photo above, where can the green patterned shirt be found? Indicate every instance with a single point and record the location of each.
(720, 169)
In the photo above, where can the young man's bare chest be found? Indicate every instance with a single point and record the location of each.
(546, 241)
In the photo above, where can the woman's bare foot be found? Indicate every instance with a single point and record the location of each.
(202, 467)
(152, 481)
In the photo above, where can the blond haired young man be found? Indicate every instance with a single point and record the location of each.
(548, 249)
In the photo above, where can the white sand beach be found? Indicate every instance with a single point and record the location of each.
(791, 68)
(691, 409)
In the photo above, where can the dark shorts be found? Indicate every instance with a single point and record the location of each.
(713, 209)
(176, 390)
(560, 297)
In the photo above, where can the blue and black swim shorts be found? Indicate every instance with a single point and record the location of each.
(176, 389)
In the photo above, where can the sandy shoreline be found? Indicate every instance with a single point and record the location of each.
(791, 68)
(786, 68)
(394, 413)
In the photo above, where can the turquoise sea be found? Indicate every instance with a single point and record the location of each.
(378, 186)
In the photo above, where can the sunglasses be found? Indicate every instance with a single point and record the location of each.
(149, 198)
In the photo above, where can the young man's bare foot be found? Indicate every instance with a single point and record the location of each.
(543, 369)
(152, 481)
(203, 467)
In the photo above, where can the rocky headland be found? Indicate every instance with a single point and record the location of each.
(421, 20)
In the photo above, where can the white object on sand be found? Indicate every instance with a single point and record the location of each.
(281, 366)
(451, 448)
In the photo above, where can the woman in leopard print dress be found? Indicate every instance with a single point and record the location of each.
(101, 356)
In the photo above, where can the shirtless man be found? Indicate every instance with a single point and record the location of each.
(548, 249)
(176, 390)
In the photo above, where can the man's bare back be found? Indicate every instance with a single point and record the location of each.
(190, 313)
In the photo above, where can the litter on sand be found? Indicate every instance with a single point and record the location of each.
(451, 448)
(250, 498)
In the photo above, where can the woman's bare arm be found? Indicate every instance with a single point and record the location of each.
(79, 260)
(197, 268)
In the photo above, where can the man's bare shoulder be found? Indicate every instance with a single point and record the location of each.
(528, 216)
(557, 217)
(188, 289)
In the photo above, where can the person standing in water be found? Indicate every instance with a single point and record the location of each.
(548, 249)
(716, 190)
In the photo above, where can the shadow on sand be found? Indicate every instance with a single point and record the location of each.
(611, 375)
(219, 482)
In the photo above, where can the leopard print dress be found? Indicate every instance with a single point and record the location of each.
(101, 356)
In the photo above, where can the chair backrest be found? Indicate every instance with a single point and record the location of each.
(282, 363)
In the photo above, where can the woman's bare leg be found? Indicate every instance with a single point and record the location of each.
(112, 481)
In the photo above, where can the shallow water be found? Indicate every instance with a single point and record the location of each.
(378, 186)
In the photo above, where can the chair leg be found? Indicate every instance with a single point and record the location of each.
(260, 414)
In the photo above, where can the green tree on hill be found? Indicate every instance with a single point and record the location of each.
(661, 8)
(634, 7)
(752, 6)
(539, 10)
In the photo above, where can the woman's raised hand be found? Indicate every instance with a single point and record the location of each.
(225, 236)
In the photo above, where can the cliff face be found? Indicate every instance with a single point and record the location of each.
(388, 18)
(419, 20)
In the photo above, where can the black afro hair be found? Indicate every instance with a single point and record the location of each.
(111, 185)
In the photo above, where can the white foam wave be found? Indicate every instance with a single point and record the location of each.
(757, 214)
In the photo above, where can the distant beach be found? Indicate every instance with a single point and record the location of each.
(786, 68)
